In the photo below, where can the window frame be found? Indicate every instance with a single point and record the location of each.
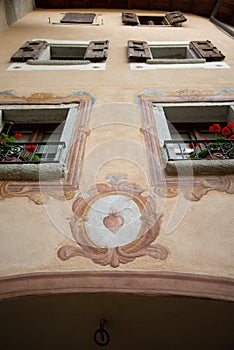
(69, 114)
(201, 166)
(194, 62)
(44, 62)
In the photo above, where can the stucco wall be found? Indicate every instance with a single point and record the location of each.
(201, 241)
(12, 10)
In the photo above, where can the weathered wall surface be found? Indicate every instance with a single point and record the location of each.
(12, 10)
(31, 233)
(127, 83)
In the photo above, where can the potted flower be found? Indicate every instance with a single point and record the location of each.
(11, 152)
(221, 147)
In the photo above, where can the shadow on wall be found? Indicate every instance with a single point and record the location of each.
(12, 10)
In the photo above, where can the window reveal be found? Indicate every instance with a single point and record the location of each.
(42, 52)
(200, 132)
(175, 18)
(33, 136)
(193, 52)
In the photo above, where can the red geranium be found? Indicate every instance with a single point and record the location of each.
(18, 136)
(231, 137)
(215, 128)
(192, 145)
(230, 125)
(226, 131)
(30, 148)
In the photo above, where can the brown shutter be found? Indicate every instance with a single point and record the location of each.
(207, 50)
(31, 50)
(130, 18)
(138, 51)
(97, 51)
(72, 17)
(175, 17)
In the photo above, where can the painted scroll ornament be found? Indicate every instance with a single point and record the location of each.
(114, 225)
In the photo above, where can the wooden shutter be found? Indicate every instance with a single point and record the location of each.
(174, 18)
(31, 50)
(73, 17)
(130, 18)
(207, 50)
(138, 51)
(97, 51)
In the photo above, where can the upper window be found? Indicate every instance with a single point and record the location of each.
(35, 140)
(193, 54)
(78, 18)
(46, 54)
(200, 132)
(197, 51)
(175, 18)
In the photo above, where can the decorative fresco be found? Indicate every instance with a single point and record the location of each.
(114, 224)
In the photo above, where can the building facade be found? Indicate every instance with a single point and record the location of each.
(117, 202)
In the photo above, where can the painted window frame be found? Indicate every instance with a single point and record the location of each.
(203, 166)
(42, 171)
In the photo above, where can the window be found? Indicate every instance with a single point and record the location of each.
(57, 54)
(184, 134)
(173, 53)
(175, 18)
(78, 18)
(157, 55)
(35, 140)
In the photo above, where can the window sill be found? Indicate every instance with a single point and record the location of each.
(32, 172)
(200, 167)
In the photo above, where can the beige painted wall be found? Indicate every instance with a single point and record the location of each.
(117, 83)
(203, 241)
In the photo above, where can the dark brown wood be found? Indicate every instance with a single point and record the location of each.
(130, 4)
(74, 17)
(203, 8)
(175, 17)
(31, 50)
(97, 51)
(207, 50)
(130, 18)
(200, 7)
(138, 51)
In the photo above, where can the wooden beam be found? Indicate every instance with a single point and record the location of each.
(130, 4)
(191, 6)
(150, 5)
(86, 3)
(109, 4)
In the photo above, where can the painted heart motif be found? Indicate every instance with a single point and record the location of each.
(114, 221)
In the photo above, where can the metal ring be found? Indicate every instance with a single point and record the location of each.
(101, 337)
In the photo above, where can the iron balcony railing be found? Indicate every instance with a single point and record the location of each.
(199, 149)
(31, 152)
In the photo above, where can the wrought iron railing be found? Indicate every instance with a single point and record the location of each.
(199, 149)
(31, 152)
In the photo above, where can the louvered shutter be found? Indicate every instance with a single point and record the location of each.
(97, 51)
(31, 50)
(174, 18)
(72, 17)
(207, 50)
(130, 18)
(138, 51)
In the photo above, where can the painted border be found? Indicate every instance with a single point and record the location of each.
(144, 282)
(39, 192)
(162, 182)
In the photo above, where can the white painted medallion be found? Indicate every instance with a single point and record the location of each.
(113, 221)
